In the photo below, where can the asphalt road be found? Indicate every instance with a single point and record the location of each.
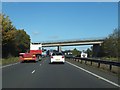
(45, 75)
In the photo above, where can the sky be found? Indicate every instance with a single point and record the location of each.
(57, 21)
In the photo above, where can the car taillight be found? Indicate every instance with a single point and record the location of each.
(33, 55)
(51, 56)
(62, 56)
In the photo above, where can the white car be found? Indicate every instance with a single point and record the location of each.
(57, 57)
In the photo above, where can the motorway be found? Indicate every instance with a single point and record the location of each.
(45, 75)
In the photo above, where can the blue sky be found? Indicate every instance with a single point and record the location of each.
(52, 21)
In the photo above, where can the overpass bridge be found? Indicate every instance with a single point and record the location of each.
(72, 43)
(95, 42)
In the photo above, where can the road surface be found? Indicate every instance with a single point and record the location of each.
(45, 75)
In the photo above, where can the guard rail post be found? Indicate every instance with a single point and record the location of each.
(78, 60)
(110, 67)
(91, 63)
(75, 59)
(98, 64)
(85, 61)
(81, 60)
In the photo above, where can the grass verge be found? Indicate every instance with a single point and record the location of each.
(109, 59)
(10, 60)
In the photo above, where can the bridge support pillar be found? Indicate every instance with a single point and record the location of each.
(59, 48)
(96, 50)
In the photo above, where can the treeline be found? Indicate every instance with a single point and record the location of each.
(78, 53)
(111, 45)
(14, 40)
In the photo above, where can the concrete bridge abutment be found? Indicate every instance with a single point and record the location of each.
(96, 50)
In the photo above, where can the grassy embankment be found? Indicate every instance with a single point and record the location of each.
(110, 59)
(9, 60)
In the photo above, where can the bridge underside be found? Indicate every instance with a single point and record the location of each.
(96, 48)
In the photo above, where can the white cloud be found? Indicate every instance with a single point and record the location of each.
(35, 33)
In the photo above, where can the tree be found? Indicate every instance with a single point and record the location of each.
(89, 52)
(75, 52)
(13, 40)
(8, 35)
(22, 41)
(111, 45)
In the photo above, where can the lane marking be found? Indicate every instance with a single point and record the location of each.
(40, 64)
(33, 71)
(9, 65)
(94, 74)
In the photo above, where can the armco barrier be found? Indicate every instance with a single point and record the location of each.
(110, 63)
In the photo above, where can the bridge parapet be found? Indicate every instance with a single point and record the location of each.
(73, 43)
(73, 40)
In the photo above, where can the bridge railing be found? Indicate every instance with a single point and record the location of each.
(110, 63)
(70, 40)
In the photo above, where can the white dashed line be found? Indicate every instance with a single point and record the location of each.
(94, 74)
(33, 71)
(40, 64)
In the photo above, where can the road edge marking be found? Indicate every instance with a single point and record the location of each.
(9, 65)
(94, 74)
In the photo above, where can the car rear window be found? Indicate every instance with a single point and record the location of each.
(53, 54)
(56, 54)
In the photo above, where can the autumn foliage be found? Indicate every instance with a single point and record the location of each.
(13, 41)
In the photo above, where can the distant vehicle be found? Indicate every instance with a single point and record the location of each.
(57, 57)
(49, 52)
(44, 54)
(83, 55)
(33, 55)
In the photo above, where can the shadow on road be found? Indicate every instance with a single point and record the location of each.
(54, 63)
(31, 61)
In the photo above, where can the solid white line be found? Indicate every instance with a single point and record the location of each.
(9, 65)
(33, 71)
(94, 74)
